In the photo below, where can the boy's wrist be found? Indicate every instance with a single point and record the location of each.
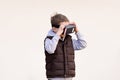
(76, 31)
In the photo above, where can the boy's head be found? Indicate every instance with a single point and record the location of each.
(57, 19)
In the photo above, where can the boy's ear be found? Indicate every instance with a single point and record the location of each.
(53, 28)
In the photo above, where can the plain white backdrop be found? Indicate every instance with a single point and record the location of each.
(25, 23)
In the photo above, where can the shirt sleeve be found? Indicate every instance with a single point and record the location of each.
(50, 44)
(80, 43)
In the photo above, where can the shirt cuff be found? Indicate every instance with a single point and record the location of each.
(56, 37)
(79, 35)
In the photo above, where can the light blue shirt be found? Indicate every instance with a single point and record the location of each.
(51, 44)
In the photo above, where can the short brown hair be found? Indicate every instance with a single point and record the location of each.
(57, 19)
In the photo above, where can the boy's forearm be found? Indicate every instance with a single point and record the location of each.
(80, 43)
(79, 35)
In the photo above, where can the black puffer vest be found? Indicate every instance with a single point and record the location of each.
(61, 62)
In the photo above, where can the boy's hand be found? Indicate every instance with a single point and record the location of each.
(61, 28)
(76, 28)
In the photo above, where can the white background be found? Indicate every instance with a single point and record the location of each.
(25, 23)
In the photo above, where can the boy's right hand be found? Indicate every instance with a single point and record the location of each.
(61, 28)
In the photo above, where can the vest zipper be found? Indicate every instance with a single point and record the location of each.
(64, 59)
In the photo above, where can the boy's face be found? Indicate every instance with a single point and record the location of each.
(56, 29)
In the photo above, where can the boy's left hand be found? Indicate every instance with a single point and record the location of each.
(76, 28)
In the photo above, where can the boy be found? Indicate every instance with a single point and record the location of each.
(59, 53)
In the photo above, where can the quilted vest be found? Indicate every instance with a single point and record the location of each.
(61, 62)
